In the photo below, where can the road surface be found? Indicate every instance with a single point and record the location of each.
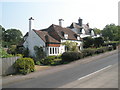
(101, 73)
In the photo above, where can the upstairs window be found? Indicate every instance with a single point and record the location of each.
(66, 36)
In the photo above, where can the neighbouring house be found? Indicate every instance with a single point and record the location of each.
(50, 39)
(82, 29)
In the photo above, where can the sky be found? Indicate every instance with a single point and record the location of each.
(98, 13)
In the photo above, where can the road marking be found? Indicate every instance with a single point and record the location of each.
(94, 72)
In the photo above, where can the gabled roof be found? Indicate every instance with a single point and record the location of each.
(75, 25)
(60, 31)
(54, 34)
(45, 36)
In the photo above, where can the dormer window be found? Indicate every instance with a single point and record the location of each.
(78, 37)
(62, 33)
(66, 36)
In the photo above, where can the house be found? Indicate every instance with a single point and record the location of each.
(82, 29)
(50, 39)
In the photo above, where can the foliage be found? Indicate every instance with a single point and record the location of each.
(97, 31)
(25, 52)
(37, 63)
(24, 65)
(4, 54)
(12, 50)
(71, 46)
(47, 61)
(50, 60)
(19, 55)
(71, 56)
(12, 37)
(88, 52)
(39, 53)
(111, 32)
(114, 44)
(2, 30)
(98, 41)
(88, 42)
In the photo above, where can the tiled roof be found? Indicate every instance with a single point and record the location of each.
(75, 25)
(60, 31)
(55, 33)
(45, 36)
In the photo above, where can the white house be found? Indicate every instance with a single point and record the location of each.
(82, 29)
(50, 39)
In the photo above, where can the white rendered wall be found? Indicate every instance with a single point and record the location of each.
(33, 40)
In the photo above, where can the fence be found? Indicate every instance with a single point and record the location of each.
(7, 65)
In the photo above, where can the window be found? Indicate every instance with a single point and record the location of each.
(66, 36)
(53, 50)
(50, 50)
(58, 50)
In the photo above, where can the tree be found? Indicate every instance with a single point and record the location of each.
(70, 46)
(12, 37)
(39, 53)
(2, 31)
(110, 32)
(97, 31)
(88, 42)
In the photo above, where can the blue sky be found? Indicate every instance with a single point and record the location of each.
(97, 13)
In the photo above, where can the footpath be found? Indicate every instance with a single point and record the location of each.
(17, 78)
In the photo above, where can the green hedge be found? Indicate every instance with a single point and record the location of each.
(71, 56)
(88, 52)
(24, 65)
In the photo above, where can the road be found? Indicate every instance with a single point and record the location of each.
(101, 73)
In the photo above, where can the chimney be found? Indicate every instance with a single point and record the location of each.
(60, 22)
(80, 21)
(30, 24)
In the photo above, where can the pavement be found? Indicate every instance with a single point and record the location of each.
(55, 69)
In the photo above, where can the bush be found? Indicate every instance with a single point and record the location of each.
(19, 55)
(4, 54)
(71, 56)
(88, 42)
(114, 44)
(88, 52)
(37, 63)
(48, 60)
(98, 41)
(24, 65)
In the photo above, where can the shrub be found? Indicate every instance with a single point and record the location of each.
(37, 63)
(71, 56)
(39, 53)
(88, 42)
(19, 55)
(110, 48)
(24, 65)
(4, 54)
(48, 60)
(88, 52)
(98, 41)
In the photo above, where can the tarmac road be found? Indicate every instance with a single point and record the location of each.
(94, 74)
